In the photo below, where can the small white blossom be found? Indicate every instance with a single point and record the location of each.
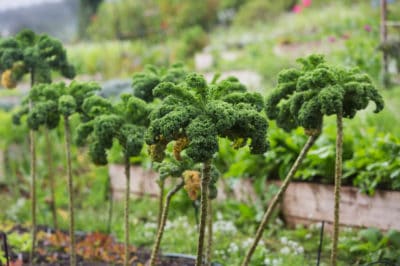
(267, 261)
(224, 227)
(285, 250)
(276, 262)
(233, 248)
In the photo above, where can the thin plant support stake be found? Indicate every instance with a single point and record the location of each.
(321, 240)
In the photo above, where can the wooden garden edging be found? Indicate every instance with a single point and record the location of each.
(306, 203)
(303, 203)
(143, 182)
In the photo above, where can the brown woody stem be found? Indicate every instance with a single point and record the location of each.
(205, 180)
(163, 221)
(338, 179)
(126, 211)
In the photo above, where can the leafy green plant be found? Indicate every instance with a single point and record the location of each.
(44, 114)
(143, 84)
(38, 56)
(201, 113)
(69, 101)
(334, 91)
(371, 245)
(286, 104)
(174, 168)
(125, 122)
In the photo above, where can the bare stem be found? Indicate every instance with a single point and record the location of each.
(32, 148)
(49, 150)
(209, 250)
(126, 215)
(205, 180)
(67, 134)
(160, 201)
(338, 179)
(163, 221)
(33, 193)
(274, 202)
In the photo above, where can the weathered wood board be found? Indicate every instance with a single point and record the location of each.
(309, 203)
(303, 203)
(143, 182)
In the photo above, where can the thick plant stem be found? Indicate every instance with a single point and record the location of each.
(67, 135)
(338, 179)
(205, 180)
(126, 212)
(33, 193)
(32, 148)
(163, 221)
(160, 202)
(274, 202)
(209, 249)
(50, 171)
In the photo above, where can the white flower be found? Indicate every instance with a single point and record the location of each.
(285, 250)
(246, 243)
(284, 240)
(267, 261)
(276, 262)
(224, 227)
(299, 250)
(150, 226)
(233, 248)
(308, 236)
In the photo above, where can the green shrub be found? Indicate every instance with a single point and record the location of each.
(261, 10)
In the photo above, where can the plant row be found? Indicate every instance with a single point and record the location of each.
(180, 117)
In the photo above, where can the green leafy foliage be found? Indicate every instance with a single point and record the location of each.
(303, 96)
(124, 122)
(143, 83)
(201, 113)
(31, 53)
(372, 245)
(50, 101)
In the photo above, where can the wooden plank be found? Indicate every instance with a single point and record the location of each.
(143, 182)
(314, 202)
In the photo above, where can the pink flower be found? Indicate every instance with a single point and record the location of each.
(368, 28)
(346, 36)
(332, 39)
(297, 9)
(306, 3)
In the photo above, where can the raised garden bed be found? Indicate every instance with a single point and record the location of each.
(306, 203)
(303, 202)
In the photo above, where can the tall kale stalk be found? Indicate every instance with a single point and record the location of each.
(50, 175)
(174, 168)
(303, 98)
(124, 123)
(69, 103)
(143, 84)
(201, 113)
(67, 107)
(38, 56)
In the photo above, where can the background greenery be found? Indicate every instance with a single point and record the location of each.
(265, 37)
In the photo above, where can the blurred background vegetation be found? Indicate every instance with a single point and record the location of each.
(113, 39)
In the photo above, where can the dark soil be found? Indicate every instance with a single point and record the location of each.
(93, 249)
